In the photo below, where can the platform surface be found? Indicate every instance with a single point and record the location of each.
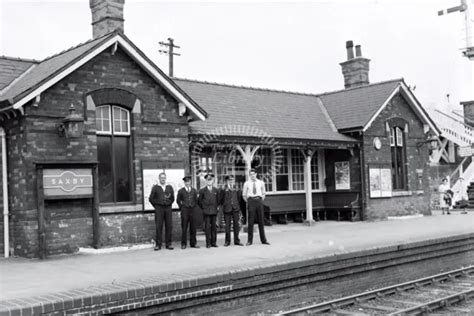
(22, 278)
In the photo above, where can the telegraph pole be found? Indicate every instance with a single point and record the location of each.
(464, 8)
(170, 52)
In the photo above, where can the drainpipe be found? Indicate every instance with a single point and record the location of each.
(6, 229)
(363, 202)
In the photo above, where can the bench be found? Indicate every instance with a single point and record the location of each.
(281, 205)
(341, 203)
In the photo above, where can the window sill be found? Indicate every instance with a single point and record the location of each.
(120, 208)
(401, 193)
(293, 192)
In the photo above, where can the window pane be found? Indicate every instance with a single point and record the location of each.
(104, 150)
(315, 172)
(297, 169)
(121, 117)
(281, 163)
(282, 183)
(122, 168)
(392, 137)
(262, 162)
(399, 137)
(103, 118)
(125, 126)
(117, 124)
(400, 168)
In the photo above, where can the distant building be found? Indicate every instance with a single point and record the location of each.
(363, 150)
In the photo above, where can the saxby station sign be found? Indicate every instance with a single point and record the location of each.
(67, 182)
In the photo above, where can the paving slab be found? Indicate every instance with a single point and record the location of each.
(23, 278)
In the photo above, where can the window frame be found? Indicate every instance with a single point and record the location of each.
(319, 154)
(112, 134)
(398, 148)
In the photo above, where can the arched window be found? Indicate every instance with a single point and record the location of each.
(114, 154)
(398, 147)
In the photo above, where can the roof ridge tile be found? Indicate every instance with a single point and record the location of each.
(29, 60)
(78, 45)
(286, 91)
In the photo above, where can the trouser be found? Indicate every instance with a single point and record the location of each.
(210, 227)
(233, 216)
(255, 210)
(187, 220)
(163, 214)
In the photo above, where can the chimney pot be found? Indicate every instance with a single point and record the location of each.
(358, 51)
(350, 50)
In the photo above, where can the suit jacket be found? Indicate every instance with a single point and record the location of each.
(158, 197)
(208, 200)
(187, 199)
(227, 196)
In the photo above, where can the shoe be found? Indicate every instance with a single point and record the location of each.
(238, 244)
(449, 213)
(195, 246)
(169, 247)
(157, 248)
(265, 243)
(249, 243)
(183, 246)
(215, 246)
(227, 244)
(208, 246)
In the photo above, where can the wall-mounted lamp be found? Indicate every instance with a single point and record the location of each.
(72, 125)
(432, 142)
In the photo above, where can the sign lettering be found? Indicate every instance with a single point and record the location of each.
(61, 182)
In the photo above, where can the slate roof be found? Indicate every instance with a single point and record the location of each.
(27, 80)
(12, 68)
(279, 114)
(354, 107)
(47, 68)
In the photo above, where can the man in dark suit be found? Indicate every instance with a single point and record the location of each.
(161, 197)
(230, 199)
(187, 200)
(208, 201)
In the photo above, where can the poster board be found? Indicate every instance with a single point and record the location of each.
(380, 182)
(343, 175)
(174, 177)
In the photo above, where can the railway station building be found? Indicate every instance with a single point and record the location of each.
(85, 133)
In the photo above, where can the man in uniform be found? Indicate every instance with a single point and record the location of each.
(254, 194)
(208, 201)
(161, 197)
(187, 200)
(230, 199)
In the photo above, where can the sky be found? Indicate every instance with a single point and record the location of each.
(294, 46)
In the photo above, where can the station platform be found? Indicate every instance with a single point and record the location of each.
(26, 282)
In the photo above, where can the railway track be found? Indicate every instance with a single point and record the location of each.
(435, 293)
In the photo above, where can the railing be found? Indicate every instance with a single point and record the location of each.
(453, 129)
(466, 171)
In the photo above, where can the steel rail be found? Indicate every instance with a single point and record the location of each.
(435, 304)
(357, 298)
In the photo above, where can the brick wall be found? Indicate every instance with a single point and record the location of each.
(139, 228)
(159, 136)
(417, 198)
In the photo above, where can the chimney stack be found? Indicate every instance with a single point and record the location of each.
(355, 69)
(107, 16)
